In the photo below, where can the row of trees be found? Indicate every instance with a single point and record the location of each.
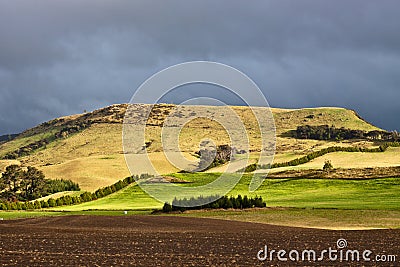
(71, 200)
(224, 202)
(316, 154)
(17, 184)
(325, 132)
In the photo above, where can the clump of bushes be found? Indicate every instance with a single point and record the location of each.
(17, 184)
(325, 132)
(60, 185)
(72, 128)
(210, 158)
(224, 202)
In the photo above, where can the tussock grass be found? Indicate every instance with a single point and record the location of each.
(91, 172)
(94, 172)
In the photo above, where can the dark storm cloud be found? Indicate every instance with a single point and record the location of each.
(62, 57)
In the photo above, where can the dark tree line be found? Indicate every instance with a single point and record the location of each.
(224, 202)
(17, 184)
(60, 185)
(325, 132)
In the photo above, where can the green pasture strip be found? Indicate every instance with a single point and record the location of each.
(10, 215)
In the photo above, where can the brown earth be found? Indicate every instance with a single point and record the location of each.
(342, 173)
(171, 241)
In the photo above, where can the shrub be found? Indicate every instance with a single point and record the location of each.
(51, 202)
(86, 196)
(167, 207)
(76, 200)
(37, 205)
(44, 204)
(11, 206)
(3, 206)
(328, 166)
(59, 202)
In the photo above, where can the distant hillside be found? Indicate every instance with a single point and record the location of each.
(87, 148)
(7, 137)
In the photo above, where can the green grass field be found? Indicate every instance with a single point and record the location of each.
(319, 203)
(320, 193)
(129, 198)
(372, 194)
(11, 215)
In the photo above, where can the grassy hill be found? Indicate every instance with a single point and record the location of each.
(87, 148)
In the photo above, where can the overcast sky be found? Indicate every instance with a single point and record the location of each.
(63, 57)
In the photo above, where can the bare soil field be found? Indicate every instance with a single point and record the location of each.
(171, 241)
(353, 173)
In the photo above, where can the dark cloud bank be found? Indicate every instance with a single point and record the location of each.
(63, 57)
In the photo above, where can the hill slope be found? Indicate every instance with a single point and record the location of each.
(87, 148)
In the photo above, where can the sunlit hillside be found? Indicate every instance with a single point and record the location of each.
(87, 148)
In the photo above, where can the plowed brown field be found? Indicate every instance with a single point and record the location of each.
(171, 241)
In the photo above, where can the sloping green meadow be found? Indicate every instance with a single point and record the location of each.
(378, 194)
